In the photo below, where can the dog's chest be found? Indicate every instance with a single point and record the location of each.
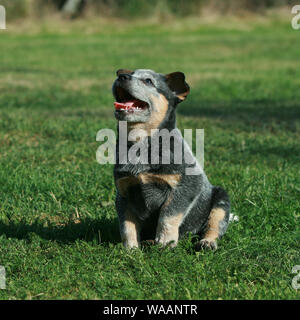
(147, 191)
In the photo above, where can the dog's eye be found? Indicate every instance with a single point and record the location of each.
(149, 81)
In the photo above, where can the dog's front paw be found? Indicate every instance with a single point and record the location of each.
(166, 241)
(206, 244)
(130, 244)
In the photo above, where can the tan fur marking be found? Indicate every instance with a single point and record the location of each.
(158, 114)
(168, 230)
(129, 233)
(168, 201)
(173, 222)
(215, 217)
(171, 179)
(124, 183)
(124, 71)
(182, 96)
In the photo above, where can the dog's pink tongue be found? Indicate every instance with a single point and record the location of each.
(124, 105)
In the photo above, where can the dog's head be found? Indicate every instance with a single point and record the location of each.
(144, 96)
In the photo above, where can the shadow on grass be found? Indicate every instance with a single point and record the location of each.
(261, 111)
(101, 230)
(89, 230)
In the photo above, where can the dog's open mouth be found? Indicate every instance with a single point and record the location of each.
(132, 105)
(126, 102)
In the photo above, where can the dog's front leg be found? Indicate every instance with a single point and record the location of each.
(129, 229)
(167, 231)
(129, 225)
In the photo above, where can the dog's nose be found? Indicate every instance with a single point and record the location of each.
(124, 76)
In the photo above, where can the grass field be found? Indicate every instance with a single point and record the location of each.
(59, 235)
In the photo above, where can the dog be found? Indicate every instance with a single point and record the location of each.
(160, 202)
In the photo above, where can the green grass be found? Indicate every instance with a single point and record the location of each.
(59, 235)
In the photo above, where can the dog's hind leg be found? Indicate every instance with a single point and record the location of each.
(218, 219)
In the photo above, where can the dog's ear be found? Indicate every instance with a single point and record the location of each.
(123, 71)
(176, 83)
